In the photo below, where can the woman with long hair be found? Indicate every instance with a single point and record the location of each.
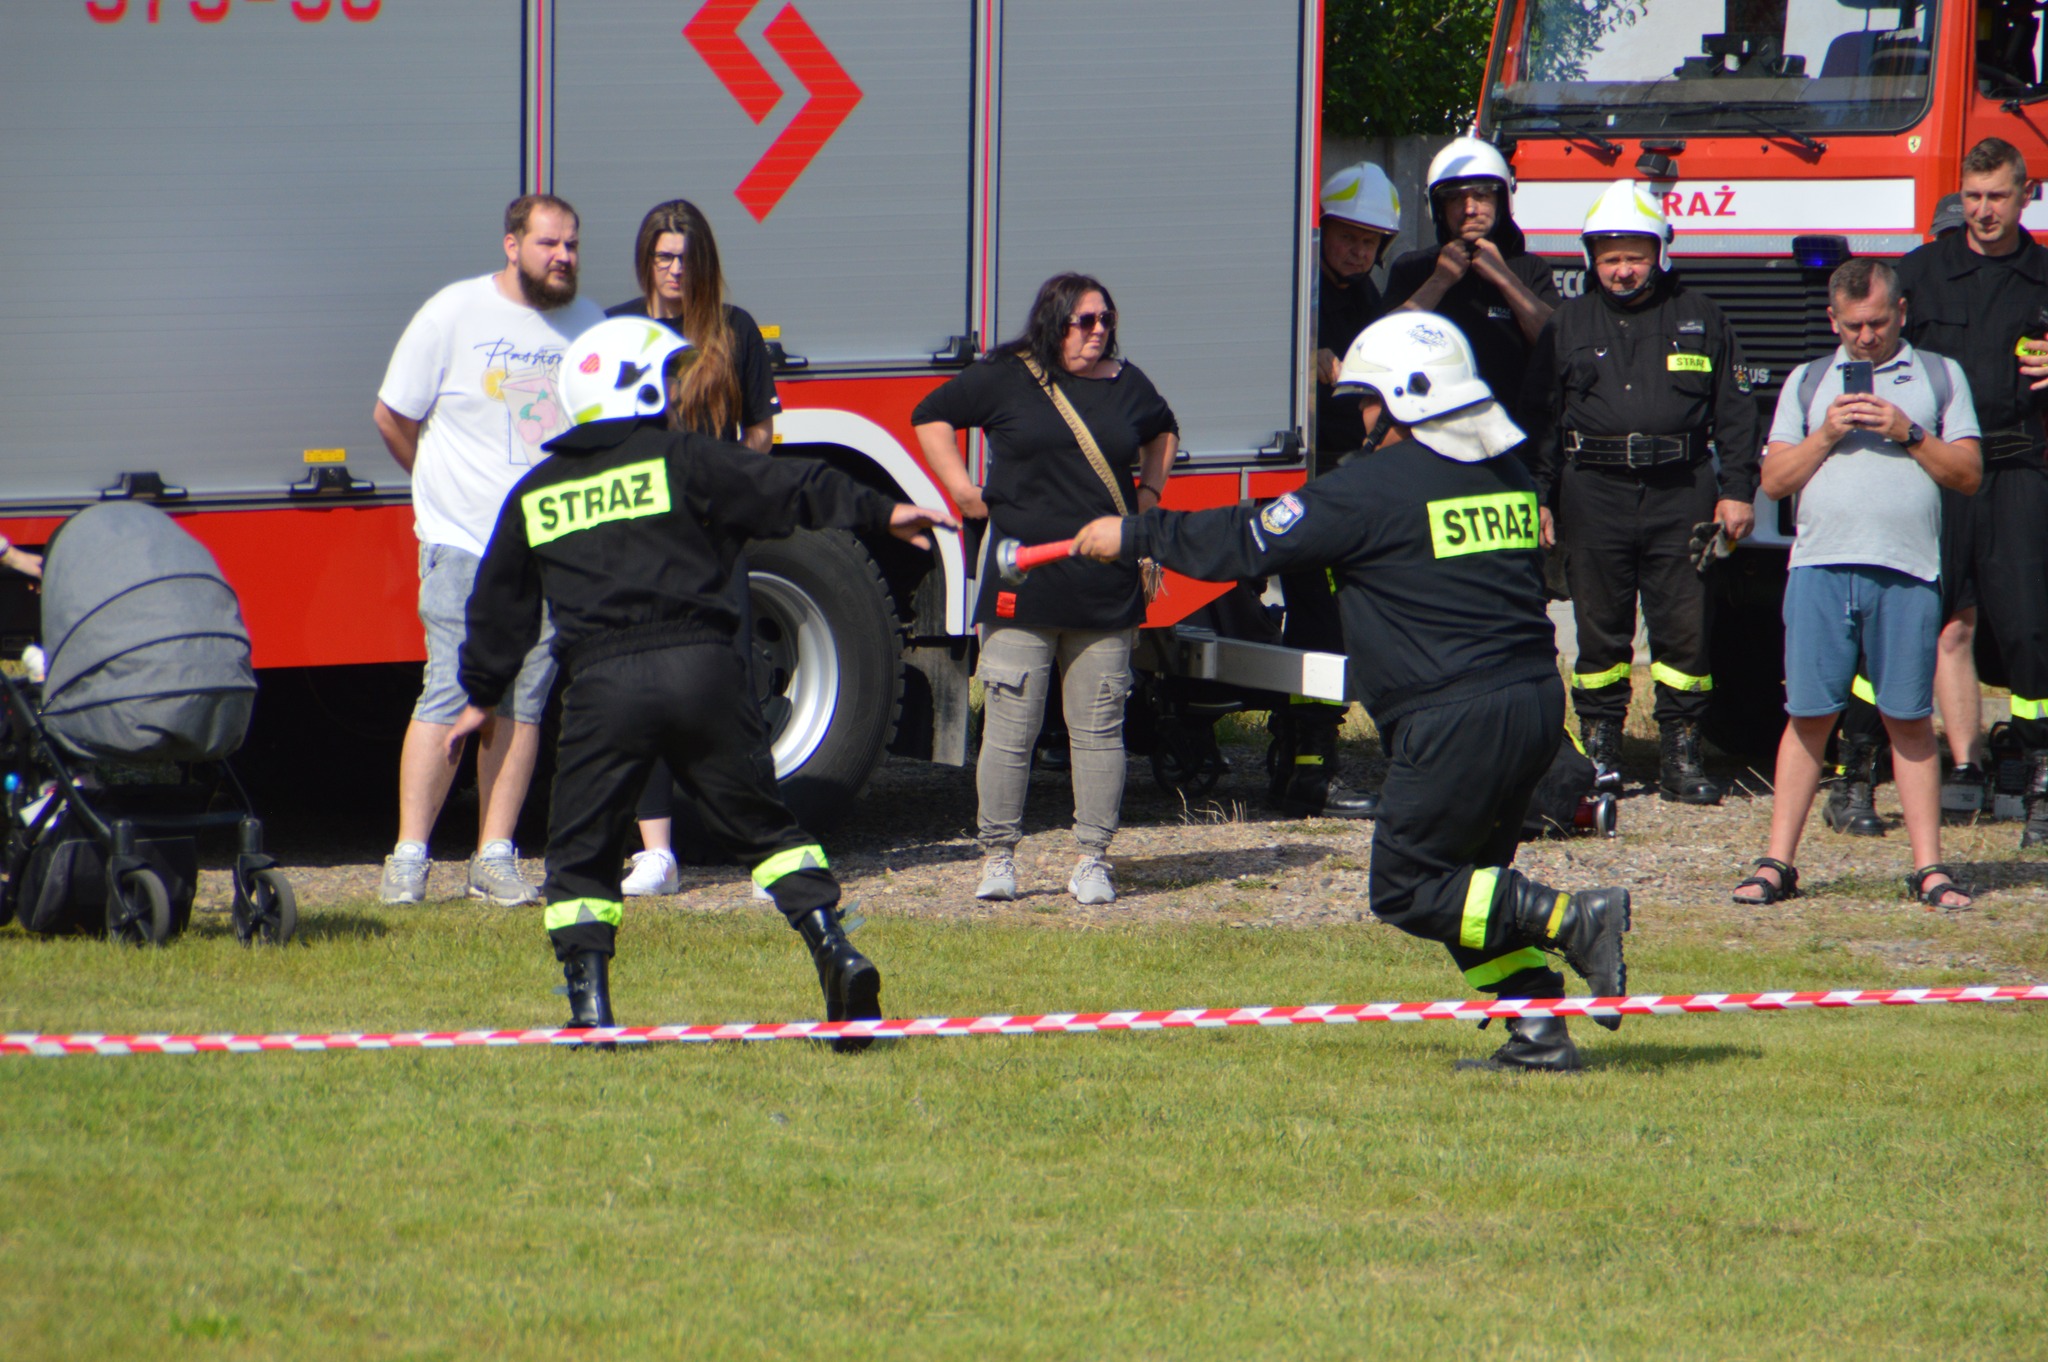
(727, 389)
(1034, 397)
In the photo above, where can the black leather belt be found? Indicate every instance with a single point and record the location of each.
(2011, 446)
(1629, 451)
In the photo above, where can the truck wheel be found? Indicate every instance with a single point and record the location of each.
(828, 666)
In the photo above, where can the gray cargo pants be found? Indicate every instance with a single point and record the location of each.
(1015, 673)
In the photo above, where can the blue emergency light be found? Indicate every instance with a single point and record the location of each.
(1820, 252)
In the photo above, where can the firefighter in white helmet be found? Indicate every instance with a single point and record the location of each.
(1361, 213)
(628, 532)
(1633, 388)
(1431, 534)
(1480, 274)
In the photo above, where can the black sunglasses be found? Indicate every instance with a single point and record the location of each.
(1085, 321)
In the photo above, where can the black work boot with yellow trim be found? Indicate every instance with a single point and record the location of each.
(1535, 1045)
(1603, 749)
(1851, 808)
(587, 975)
(1681, 777)
(1312, 790)
(851, 983)
(1586, 927)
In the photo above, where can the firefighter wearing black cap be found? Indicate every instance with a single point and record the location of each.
(628, 533)
(1630, 384)
(1980, 296)
(1431, 536)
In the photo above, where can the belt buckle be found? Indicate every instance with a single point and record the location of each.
(1647, 444)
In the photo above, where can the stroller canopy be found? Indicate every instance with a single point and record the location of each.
(148, 656)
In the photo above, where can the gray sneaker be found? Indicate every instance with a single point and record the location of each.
(1091, 883)
(998, 877)
(494, 876)
(405, 880)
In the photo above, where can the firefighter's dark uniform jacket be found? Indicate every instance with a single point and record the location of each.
(629, 533)
(1477, 307)
(1641, 390)
(1440, 583)
(1974, 309)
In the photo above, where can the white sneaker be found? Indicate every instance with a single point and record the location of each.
(654, 872)
(998, 877)
(1091, 883)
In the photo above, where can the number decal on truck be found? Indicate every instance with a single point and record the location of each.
(213, 11)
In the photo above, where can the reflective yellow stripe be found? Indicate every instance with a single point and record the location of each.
(1311, 700)
(1482, 524)
(1564, 901)
(625, 493)
(1596, 680)
(2029, 709)
(788, 862)
(577, 912)
(1306, 760)
(1863, 690)
(1581, 747)
(1678, 680)
(1493, 971)
(1478, 908)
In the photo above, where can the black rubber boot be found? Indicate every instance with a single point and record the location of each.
(852, 984)
(1312, 789)
(1279, 756)
(1535, 1045)
(1587, 927)
(1850, 809)
(1965, 793)
(1603, 749)
(588, 974)
(1681, 778)
(2036, 832)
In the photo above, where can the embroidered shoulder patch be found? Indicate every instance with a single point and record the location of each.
(1282, 515)
(1692, 328)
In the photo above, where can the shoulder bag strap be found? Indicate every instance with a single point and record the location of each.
(1081, 434)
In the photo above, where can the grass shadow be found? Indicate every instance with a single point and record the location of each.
(1662, 1055)
(1182, 871)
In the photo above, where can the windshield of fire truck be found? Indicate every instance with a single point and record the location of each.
(1699, 66)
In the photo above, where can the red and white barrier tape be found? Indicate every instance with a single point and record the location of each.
(1325, 1014)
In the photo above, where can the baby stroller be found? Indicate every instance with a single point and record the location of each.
(116, 757)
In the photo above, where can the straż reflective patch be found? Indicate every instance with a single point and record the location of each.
(1283, 515)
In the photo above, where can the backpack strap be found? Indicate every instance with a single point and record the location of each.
(1810, 375)
(1943, 384)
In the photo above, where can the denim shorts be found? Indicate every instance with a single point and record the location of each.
(447, 576)
(1838, 614)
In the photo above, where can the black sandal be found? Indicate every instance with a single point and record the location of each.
(1917, 888)
(1786, 888)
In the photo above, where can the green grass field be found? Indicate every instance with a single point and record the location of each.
(1822, 1185)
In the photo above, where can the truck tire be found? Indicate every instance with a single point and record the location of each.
(1747, 647)
(828, 666)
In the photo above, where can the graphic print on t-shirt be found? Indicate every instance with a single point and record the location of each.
(525, 381)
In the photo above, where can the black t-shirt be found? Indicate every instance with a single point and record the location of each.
(1478, 309)
(1342, 311)
(1041, 486)
(758, 402)
(1974, 309)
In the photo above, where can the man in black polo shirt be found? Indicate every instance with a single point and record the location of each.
(1980, 296)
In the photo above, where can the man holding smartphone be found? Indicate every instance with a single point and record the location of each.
(1867, 438)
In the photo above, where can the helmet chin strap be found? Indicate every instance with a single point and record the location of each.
(1630, 295)
(1380, 430)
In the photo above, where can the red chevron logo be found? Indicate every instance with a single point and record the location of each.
(714, 32)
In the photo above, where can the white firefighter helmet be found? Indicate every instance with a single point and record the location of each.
(1626, 208)
(618, 368)
(1469, 158)
(1420, 365)
(1363, 194)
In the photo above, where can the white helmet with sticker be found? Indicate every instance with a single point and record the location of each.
(1470, 158)
(1626, 208)
(1363, 194)
(1420, 365)
(617, 369)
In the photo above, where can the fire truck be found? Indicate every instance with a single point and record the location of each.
(222, 214)
(1782, 136)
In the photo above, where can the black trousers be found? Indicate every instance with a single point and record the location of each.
(1625, 535)
(2002, 541)
(1455, 797)
(658, 798)
(689, 706)
(1313, 622)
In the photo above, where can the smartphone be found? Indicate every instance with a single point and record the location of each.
(1858, 377)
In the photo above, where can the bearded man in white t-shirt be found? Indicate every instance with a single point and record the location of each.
(470, 396)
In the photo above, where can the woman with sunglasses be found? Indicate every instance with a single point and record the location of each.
(727, 390)
(1034, 398)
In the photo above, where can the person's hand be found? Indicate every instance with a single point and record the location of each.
(1488, 261)
(2034, 361)
(1101, 539)
(1844, 415)
(1453, 260)
(1882, 418)
(1328, 366)
(1546, 527)
(1736, 517)
(909, 523)
(471, 720)
(22, 561)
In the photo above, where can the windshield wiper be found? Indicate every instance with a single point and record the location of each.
(1749, 112)
(1571, 129)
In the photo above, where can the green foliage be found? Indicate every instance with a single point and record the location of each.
(1396, 67)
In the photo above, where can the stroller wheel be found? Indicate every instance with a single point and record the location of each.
(271, 912)
(141, 913)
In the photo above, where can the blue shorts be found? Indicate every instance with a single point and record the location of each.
(1835, 615)
(447, 576)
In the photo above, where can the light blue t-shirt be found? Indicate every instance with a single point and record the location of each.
(1869, 503)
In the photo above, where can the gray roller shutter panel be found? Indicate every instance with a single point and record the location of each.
(1154, 145)
(219, 230)
(863, 260)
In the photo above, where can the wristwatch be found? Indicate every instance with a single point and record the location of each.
(1914, 435)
